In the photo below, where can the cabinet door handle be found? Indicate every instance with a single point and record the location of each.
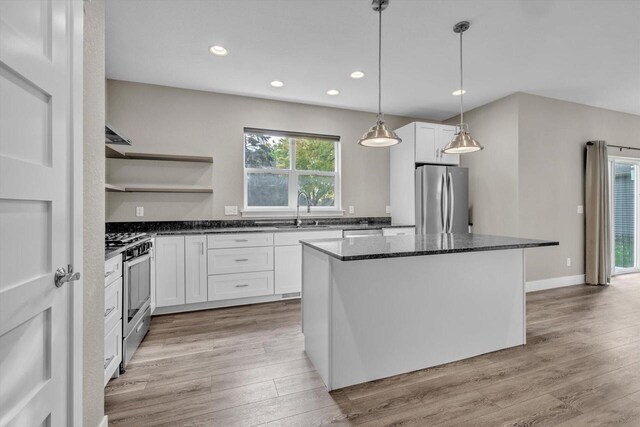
(242, 240)
(109, 273)
(242, 286)
(242, 259)
(201, 248)
(107, 361)
(108, 311)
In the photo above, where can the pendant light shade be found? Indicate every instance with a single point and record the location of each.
(462, 141)
(379, 135)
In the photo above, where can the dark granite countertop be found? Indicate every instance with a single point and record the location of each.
(362, 248)
(169, 228)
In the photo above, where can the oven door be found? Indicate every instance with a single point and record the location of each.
(137, 290)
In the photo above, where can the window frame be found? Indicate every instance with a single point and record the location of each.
(293, 174)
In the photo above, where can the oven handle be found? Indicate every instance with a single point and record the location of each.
(136, 261)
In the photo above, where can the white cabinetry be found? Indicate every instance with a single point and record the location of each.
(195, 255)
(398, 231)
(170, 271)
(112, 317)
(152, 254)
(288, 258)
(422, 143)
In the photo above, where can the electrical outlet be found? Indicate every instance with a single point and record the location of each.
(568, 262)
(352, 210)
(140, 211)
(231, 210)
(388, 209)
(580, 209)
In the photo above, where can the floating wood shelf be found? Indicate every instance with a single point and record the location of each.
(114, 188)
(168, 189)
(112, 153)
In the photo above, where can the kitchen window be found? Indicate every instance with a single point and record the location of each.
(278, 164)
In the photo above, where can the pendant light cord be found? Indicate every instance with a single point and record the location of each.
(380, 119)
(461, 86)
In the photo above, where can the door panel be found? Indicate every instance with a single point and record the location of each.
(195, 269)
(39, 139)
(426, 137)
(430, 205)
(445, 135)
(169, 254)
(625, 215)
(288, 269)
(459, 199)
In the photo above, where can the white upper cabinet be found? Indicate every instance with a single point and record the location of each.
(195, 256)
(429, 140)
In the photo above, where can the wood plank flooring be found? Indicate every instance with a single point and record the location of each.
(246, 366)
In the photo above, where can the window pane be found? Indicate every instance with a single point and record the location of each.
(315, 155)
(264, 189)
(266, 152)
(321, 189)
(625, 223)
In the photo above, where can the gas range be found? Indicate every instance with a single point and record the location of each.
(121, 239)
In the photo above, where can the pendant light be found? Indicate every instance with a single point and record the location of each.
(462, 141)
(379, 135)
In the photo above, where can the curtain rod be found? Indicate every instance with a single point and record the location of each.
(617, 146)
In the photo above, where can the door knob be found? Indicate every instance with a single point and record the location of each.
(62, 276)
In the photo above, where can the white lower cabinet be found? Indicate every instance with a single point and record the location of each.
(240, 260)
(398, 231)
(240, 285)
(112, 351)
(288, 258)
(195, 255)
(170, 271)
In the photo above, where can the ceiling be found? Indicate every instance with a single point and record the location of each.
(585, 51)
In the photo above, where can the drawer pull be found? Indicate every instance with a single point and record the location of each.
(242, 286)
(106, 362)
(140, 326)
(242, 260)
(108, 311)
(109, 273)
(241, 240)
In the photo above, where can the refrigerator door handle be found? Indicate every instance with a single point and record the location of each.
(451, 198)
(444, 203)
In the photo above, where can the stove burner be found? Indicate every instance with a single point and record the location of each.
(116, 239)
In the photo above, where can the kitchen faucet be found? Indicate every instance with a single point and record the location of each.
(306, 196)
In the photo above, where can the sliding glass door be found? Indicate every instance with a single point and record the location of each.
(624, 206)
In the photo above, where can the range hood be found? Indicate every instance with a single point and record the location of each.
(112, 136)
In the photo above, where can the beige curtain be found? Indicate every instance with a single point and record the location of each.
(598, 242)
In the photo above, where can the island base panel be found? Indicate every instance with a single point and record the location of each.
(371, 319)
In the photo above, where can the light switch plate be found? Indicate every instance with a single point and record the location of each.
(568, 262)
(580, 209)
(231, 210)
(388, 209)
(139, 211)
(352, 210)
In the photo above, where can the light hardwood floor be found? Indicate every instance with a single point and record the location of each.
(246, 366)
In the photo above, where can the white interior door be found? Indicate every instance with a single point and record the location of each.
(40, 211)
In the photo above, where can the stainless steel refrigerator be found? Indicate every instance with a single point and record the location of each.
(442, 199)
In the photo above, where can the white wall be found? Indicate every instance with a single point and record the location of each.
(163, 119)
(93, 216)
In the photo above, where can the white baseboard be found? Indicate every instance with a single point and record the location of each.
(555, 282)
(105, 422)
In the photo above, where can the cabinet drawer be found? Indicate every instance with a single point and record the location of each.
(112, 269)
(242, 260)
(286, 239)
(242, 285)
(112, 351)
(112, 304)
(242, 240)
(398, 231)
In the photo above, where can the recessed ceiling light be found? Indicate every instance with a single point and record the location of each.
(218, 50)
(333, 92)
(276, 83)
(458, 92)
(357, 75)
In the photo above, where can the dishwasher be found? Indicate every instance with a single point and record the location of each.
(362, 233)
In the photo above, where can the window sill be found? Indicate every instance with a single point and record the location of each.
(250, 213)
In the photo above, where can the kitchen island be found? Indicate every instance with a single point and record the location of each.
(374, 307)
